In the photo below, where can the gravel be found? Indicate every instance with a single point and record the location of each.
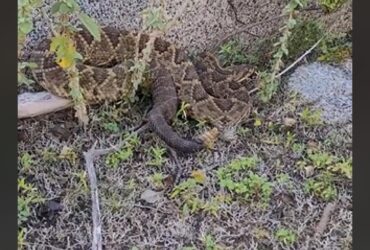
(329, 87)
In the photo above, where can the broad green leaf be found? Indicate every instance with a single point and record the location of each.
(72, 4)
(65, 7)
(26, 26)
(56, 7)
(91, 25)
(65, 50)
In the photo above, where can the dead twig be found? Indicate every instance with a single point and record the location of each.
(300, 58)
(96, 216)
(35, 104)
(321, 226)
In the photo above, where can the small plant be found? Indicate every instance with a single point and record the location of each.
(25, 26)
(192, 203)
(320, 159)
(258, 187)
(304, 35)
(286, 236)
(214, 204)
(322, 186)
(269, 80)
(335, 49)
(290, 139)
(26, 160)
(126, 152)
(157, 180)
(49, 155)
(331, 5)
(188, 191)
(232, 53)
(64, 48)
(311, 117)
(82, 180)
(188, 248)
(284, 180)
(156, 154)
(114, 159)
(22, 79)
(260, 233)
(186, 186)
(155, 19)
(132, 184)
(344, 167)
(68, 154)
(209, 243)
(182, 113)
(243, 163)
(242, 131)
(199, 176)
(298, 148)
(111, 127)
(27, 196)
(21, 238)
(113, 202)
(238, 178)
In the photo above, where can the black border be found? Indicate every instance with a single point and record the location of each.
(8, 131)
(361, 117)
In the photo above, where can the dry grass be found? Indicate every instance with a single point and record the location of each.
(128, 221)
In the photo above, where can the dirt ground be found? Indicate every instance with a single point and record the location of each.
(280, 212)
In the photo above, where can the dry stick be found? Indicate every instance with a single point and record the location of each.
(307, 52)
(300, 58)
(321, 226)
(96, 217)
(294, 63)
(40, 103)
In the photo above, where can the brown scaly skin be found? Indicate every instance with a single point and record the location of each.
(165, 103)
(215, 94)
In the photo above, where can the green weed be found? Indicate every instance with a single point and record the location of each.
(238, 178)
(320, 159)
(26, 160)
(286, 236)
(331, 5)
(343, 167)
(156, 155)
(27, 196)
(126, 152)
(157, 180)
(321, 186)
(311, 117)
(232, 53)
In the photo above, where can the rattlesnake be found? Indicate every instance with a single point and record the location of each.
(215, 94)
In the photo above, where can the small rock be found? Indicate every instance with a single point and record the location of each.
(309, 171)
(312, 145)
(289, 122)
(151, 196)
(330, 87)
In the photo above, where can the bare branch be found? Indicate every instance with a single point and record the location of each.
(35, 104)
(321, 226)
(300, 58)
(96, 216)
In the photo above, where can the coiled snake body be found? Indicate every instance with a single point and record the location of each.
(215, 94)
